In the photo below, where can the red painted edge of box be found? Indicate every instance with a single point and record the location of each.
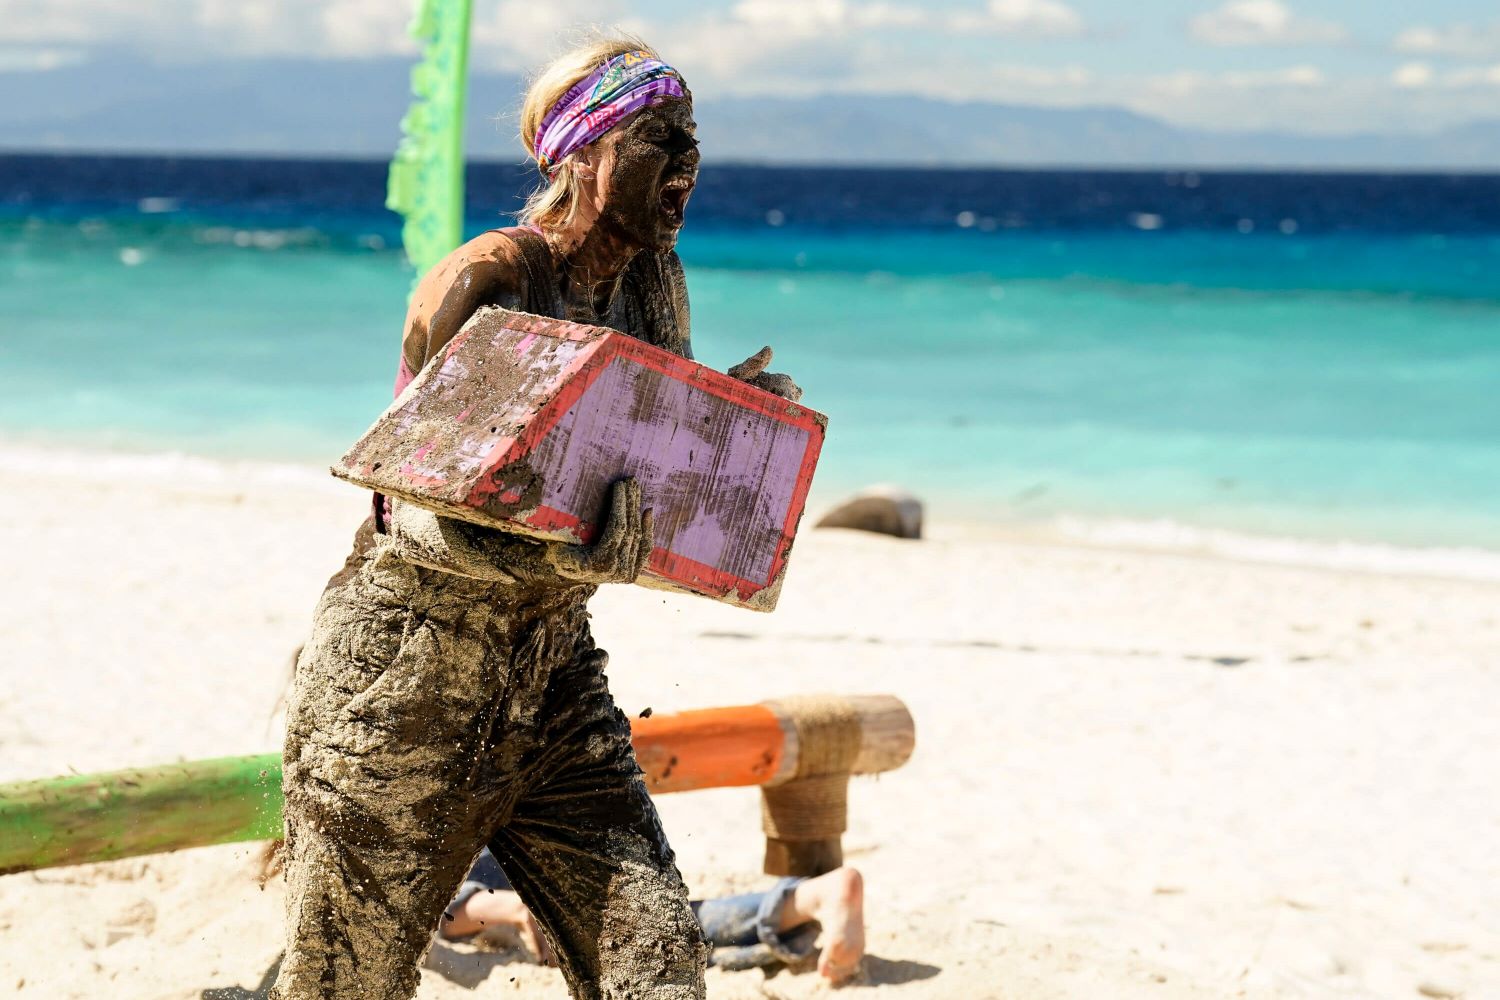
(585, 371)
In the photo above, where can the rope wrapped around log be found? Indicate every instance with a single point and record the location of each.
(805, 817)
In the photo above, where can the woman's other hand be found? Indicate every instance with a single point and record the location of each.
(753, 371)
(620, 553)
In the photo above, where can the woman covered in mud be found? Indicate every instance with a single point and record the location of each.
(451, 696)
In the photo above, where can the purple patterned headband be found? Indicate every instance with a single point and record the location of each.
(600, 101)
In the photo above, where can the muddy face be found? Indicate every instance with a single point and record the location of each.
(648, 168)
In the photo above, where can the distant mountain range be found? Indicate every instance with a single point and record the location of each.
(350, 108)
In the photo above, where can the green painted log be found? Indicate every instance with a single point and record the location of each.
(121, 814)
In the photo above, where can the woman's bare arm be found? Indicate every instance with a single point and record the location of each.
(487, 271)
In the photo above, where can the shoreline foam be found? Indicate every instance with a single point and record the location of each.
(1165, 535)
(1158, 535)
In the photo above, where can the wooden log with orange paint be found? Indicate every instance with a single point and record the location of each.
(799, 751)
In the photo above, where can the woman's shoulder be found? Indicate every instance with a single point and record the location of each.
(494, 259)
(490, 269)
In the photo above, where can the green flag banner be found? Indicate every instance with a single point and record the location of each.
(426, 184)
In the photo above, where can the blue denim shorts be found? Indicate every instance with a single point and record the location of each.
(741, 930)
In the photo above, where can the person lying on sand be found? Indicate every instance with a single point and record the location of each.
(754, 930)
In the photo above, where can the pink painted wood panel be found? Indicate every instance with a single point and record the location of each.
(524, 422)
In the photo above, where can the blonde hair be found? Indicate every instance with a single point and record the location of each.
(556, 200)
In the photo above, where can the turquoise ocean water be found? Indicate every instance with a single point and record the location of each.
(1143, 380)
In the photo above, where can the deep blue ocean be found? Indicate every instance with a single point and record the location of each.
(1153, 357)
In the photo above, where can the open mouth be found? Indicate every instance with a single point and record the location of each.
(674, 197)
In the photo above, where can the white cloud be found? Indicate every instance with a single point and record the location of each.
(809, 46)
(1041, 77)
(1040, 18)
(38, 60)
(519, 35)
(1474, 76)
(1192, 82)
(1412, 75)
(506, 33)
(192, 29)
(891, 15)
(817, 38)
(1262, 22)
(742, 47)
(51, 21)
(782, 46)
(1475, 41)
(1018, 82)
(807, 18)
(357, 28)
(1420, 75)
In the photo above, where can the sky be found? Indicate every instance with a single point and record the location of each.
(1318, 66)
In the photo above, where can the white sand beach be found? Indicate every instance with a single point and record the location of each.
(1137, 774)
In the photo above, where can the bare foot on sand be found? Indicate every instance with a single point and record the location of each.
(837, 902)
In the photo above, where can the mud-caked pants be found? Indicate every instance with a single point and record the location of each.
(433, 715)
